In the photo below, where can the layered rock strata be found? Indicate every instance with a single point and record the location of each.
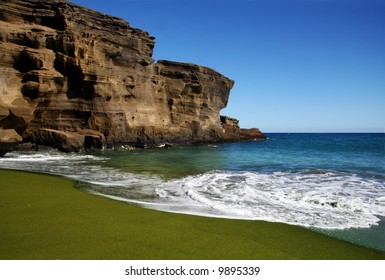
(73, 78)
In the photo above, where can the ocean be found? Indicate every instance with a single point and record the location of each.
(329, 182)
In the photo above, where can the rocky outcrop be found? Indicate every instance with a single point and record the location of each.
(9, 140)
(232, 131)
(73, 78)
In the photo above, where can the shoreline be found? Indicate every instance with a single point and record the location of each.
(46, 217)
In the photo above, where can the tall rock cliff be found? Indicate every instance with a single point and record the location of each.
(73, 78)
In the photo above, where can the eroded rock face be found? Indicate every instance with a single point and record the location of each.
(73, 78)
(232, 131)
(9, 139)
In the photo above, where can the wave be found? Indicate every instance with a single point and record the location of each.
(327, 199)
(312, 198)
(319, 198)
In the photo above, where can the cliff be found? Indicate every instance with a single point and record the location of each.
(73, 78)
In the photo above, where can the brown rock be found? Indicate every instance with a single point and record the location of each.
(9, 139)
(232, 131)
(252, 133)
(73, 78)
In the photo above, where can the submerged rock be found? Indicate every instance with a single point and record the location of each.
(73, 78)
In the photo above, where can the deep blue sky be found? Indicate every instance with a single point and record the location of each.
(298, 65)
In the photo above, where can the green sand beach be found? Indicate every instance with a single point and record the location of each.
(46, 217)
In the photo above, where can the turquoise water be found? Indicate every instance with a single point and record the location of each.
(332, 183)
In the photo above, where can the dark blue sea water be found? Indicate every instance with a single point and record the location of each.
(332, 183)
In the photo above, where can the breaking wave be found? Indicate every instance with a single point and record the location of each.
(311, 198)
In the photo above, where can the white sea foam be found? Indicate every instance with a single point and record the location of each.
(312, 198)
(70, 165)
(47, 157)
(319, 199)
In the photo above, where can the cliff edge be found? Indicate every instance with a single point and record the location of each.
(73, 78)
